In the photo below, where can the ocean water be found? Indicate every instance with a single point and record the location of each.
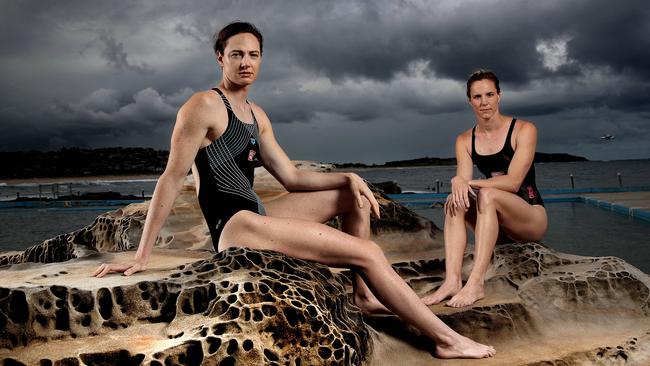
(63, 187)
(24, 227)
(581, 229)
(573, 227)
(548, 175)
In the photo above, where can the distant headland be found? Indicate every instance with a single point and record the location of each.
(74, 162)
(427, 161)
(115, 161)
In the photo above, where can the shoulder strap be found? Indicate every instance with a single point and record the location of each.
(509, 137)
(224, 98)
(252, 112)
(474, 153)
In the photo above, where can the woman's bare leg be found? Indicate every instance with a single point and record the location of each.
(455, 236)
(322, 206)
(321, 243)
(517, 218)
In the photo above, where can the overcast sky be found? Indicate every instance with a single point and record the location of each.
(342, 81)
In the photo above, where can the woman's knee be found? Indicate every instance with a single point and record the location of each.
(449, 199)
(487, 196)
(371, 255)
(365, 208)
(452, 211)
(349, 202)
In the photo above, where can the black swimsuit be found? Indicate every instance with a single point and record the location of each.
(226, 171)
(497, 164)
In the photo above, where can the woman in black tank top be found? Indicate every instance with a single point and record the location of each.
(505, 206)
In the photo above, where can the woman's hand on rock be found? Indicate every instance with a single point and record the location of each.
(127, 268)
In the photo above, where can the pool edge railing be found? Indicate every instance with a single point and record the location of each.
(550, 196)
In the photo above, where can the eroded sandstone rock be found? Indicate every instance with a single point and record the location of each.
(542, 308)
(241, 306)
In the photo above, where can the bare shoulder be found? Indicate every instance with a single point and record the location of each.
(525, 128)
(525, 134)
(202, 103)
(465, 138)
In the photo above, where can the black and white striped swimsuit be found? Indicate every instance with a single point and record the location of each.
(226, 171)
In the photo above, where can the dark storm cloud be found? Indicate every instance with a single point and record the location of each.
(192, 32)
(414, 90)
(380, 40)
(113, 52)
(493, 35)
(101, 118)
(90, 73)
(488, 33)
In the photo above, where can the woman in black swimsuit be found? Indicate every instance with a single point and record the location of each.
(505, 206)
(222, 136)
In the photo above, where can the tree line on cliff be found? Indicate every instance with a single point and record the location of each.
(540, 157)
(75, 162)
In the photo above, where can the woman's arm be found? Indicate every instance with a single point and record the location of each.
(189, 131)
(525, 145)
(277, 162)
(464, 171)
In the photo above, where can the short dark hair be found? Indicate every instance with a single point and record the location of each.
(482, 74)
(232, 29)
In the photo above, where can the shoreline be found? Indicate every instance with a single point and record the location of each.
(113, 177)
(64, 180)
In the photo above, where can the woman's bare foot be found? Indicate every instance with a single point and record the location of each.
(446, 290)
(369, 304)
(467, 295)
(464, 347)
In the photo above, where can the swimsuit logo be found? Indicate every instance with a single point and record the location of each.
(217, 225)
(496, 174)
(251, 154)
(253, 141)
(531, 193)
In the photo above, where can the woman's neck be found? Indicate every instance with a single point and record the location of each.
(236, 93)
(495, 123)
